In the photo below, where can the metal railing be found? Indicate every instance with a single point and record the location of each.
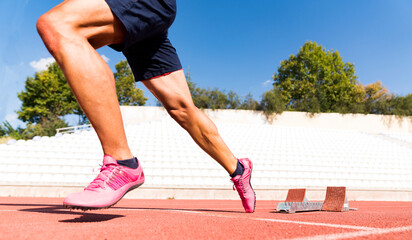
(74, 129)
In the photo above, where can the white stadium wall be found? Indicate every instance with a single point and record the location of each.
(369, 154)
(358, 122)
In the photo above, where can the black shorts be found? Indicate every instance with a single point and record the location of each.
(146, 45)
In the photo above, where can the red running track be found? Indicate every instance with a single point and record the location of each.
(45, 218)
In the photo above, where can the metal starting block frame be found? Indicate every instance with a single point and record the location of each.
(296, 201)
(292, 207)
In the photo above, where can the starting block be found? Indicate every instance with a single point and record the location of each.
(335, 200)
(296, 201)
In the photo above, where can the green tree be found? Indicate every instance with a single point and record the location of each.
(272, 102)
(217, 99)
(233, 100)
(127, 91)
(377, 100)
(3, 131)
(316, 80)
(47, 99)
(47, 96)
(401, 106)
(248, 103)
(16, 133)
(198, 94)
(206, 98)
(46, 127)
(190, 83)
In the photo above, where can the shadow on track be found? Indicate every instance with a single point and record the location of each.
(83, 217)
(177, 209)
(87, 217)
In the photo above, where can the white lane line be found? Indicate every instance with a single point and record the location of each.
(294, 222)
(336, 236)
(319, 224)
(364, 231)
(265, 219)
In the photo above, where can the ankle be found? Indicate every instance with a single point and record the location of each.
(119, 155)
(239, 170)
(130, 163)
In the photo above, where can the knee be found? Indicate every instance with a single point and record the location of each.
(43, 24)
(183, 113)
(47, 29)
(52, 31)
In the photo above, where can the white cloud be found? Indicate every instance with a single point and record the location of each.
(12, 119)
(41, 64)
(106, 59)
(267, 82)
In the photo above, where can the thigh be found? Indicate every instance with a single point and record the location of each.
(143, 19)
(171, 90)
(152, 58)
(92, 19)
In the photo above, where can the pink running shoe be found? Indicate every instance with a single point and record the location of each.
(112, 183)
(243, 186)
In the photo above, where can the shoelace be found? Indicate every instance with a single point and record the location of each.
(99, 181)
(242, 187)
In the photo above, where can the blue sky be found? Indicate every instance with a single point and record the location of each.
(238, 45)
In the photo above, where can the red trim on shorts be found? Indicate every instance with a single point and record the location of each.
(162, 75)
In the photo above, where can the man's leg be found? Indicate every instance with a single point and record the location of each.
(71, 32)
(172, 91)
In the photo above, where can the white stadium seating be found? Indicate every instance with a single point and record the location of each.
(283, 157)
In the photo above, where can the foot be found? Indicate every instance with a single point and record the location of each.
(243, 186)
(112, 183)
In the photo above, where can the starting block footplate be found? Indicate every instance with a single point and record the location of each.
(292, 207)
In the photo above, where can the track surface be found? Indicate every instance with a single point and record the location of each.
(45, 218)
